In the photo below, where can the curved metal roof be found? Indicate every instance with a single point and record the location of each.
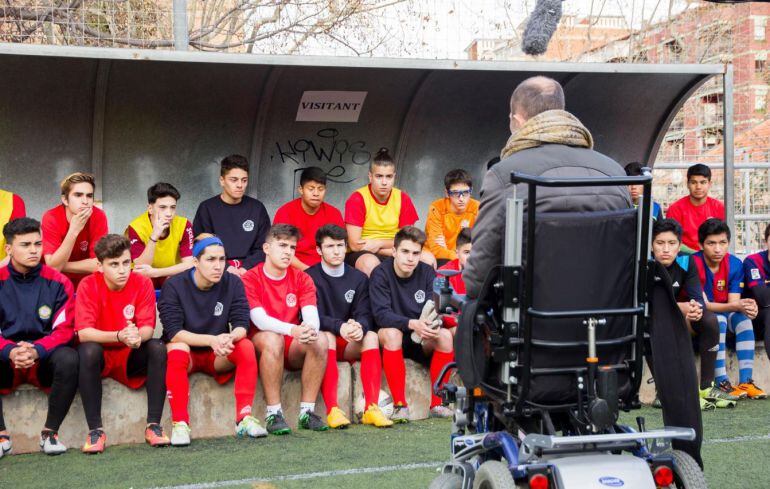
(135, 117)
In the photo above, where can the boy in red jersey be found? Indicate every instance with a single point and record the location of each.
(463, 249)
(71, 230)
(278, 293)
(308, 213)
(114, 321)
(693, 210)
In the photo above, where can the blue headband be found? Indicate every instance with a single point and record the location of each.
(202, 244)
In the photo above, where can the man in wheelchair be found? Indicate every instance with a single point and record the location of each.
(552, 347)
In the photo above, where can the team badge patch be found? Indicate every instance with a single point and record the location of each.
(84, 246)
(755, 274)
(720, 285)
(44, 312)
(128, 311)
(465, 223)
(248, 225)
(419, 296)
(349, 295)
(291, 300)
(218, 309)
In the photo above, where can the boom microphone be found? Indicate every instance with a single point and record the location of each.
(541, 26)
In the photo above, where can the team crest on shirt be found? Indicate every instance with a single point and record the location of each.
(465, 223)
(755, 274)
(291, 300)
(44, 312)
(128, 312)
(84, 246)
(218, 309)
(419, 296)
(720, 285)
(248, 225)
(349, 295)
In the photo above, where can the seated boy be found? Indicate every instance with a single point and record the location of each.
(205, 318)
(450, 215)
(398, 290)
(161, 241)
(72, 228)
(721, 275)
(463, 251)
(308, 213)
(756, 276)
(114, 321)
(634, 169)
(36, 311)
(346, 319)
(703, 324)
(278, 294)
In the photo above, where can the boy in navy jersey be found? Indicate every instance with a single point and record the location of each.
(346, 319)
(721, 275)
(702, 323)
(240, 221)
(205, 319)
(36, 313)
(756, 276)
(398, 290)
(285, 318)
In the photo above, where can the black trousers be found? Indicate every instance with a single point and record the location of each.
(59, 371)
(147, 360)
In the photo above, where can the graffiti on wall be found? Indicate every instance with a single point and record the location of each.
(327, 146)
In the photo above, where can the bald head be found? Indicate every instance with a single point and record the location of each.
(535, 95)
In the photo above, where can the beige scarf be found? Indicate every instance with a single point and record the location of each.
(549, 127)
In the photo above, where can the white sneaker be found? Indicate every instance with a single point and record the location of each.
(180, 434)
(441, 412)
(49, 443)
(5, 445)
(249, 426)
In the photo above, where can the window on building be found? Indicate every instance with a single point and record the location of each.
(760, 99)
(759, 28)
(760, 62)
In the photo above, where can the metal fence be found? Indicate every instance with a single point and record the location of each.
(752, 197)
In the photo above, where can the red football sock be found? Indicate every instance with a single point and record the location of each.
(245, 361)
(330, 381)
(395, 373)
(178, 385)
(437, 362)
(371, 375)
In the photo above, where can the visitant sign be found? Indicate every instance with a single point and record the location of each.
(330, 106)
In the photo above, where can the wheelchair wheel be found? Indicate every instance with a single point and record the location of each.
(447, 481)
(493, 475)
(687, 473)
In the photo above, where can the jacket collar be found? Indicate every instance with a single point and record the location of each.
(25, 277)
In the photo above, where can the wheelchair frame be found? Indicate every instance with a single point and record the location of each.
(510, 293)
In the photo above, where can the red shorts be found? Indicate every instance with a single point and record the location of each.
(116, 366)
(25, 376)
(342, 343)
(202, 360)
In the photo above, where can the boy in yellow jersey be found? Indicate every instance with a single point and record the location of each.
(161, 241)
(375, 213)
(11, 207)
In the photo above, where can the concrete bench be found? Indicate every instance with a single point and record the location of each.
(761, 373)
(212, 408)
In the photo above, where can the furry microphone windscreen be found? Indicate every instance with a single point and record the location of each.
(541, 26)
